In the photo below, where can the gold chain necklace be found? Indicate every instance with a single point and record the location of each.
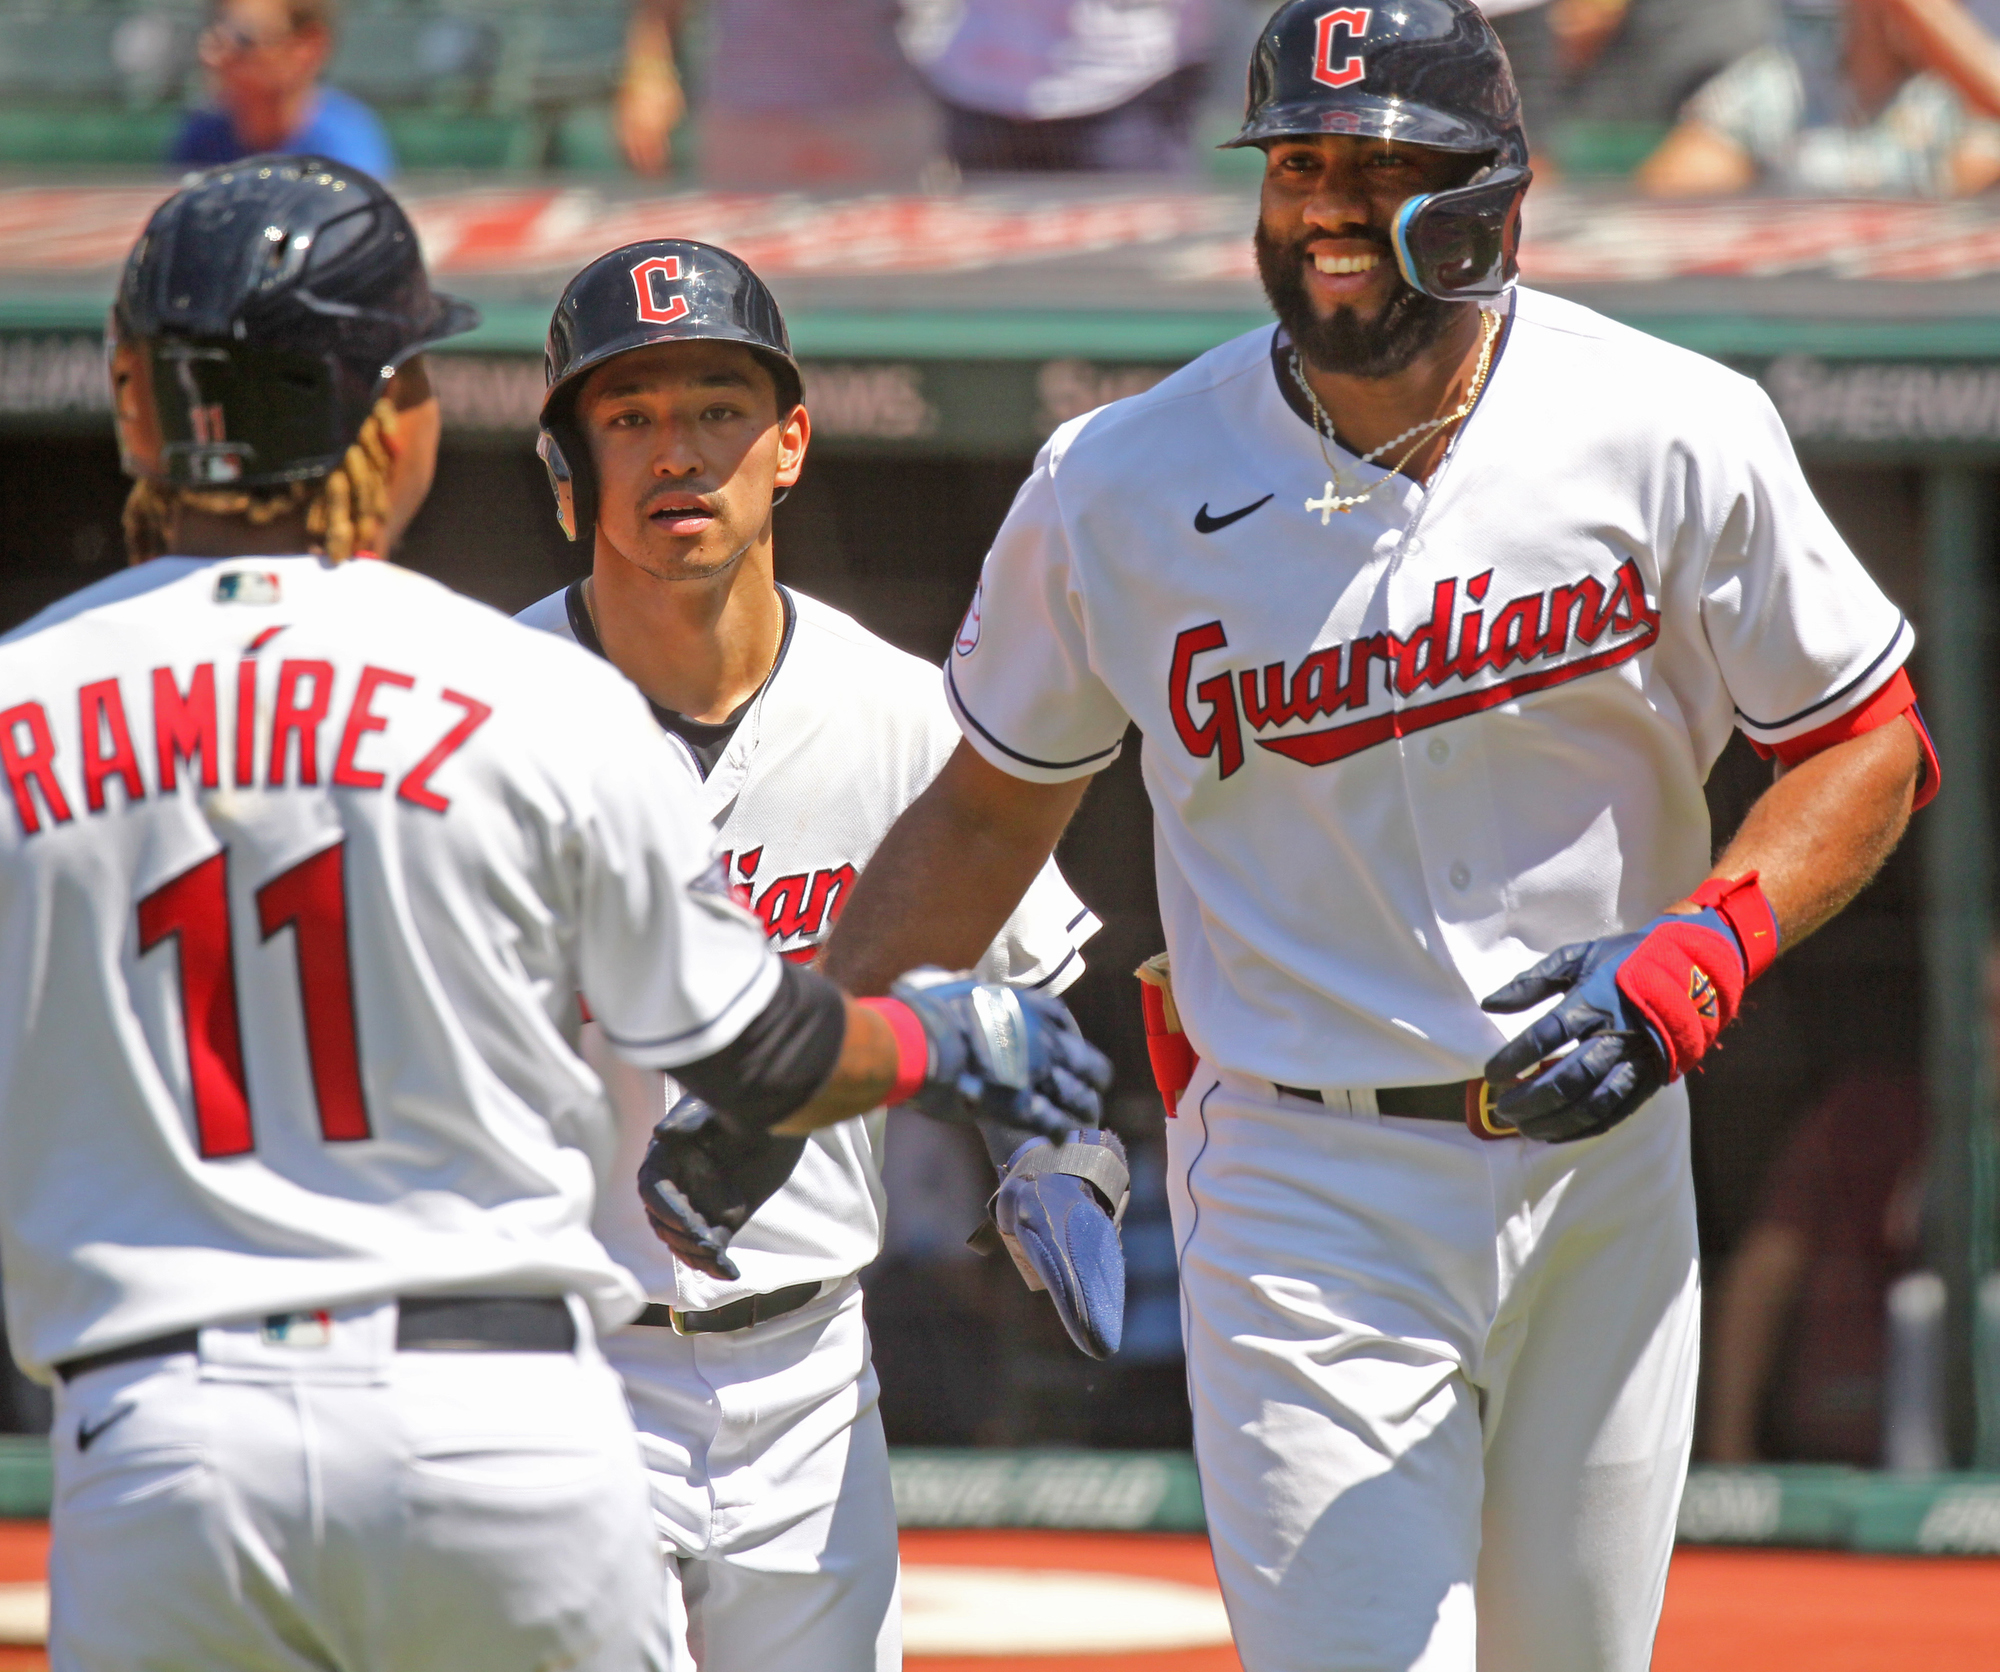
(1323, 429)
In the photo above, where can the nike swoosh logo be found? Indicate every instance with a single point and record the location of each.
(85, 1434)
(1205, 524)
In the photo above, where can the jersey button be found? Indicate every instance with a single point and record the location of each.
(1461, 878)
(1440, 751)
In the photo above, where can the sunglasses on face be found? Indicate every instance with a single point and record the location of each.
(231, 40)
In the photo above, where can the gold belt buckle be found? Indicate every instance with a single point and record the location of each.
(1480, 1097)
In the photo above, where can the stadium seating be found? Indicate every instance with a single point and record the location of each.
(458, 83)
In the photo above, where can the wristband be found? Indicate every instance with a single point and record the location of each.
(1741, 904)
(913, 1047)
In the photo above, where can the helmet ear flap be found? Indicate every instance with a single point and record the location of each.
(576, 498)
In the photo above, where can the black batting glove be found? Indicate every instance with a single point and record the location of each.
(704, 1176)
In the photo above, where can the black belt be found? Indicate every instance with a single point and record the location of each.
(1466, 1103)
(738, 1314)
(424, 1324)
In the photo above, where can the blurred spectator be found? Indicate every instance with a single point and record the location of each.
(1890, 97)
(651, 102)
(1617, 64)
(798, 94)
(1032, 85)
(1798, 1324)
(264, 59)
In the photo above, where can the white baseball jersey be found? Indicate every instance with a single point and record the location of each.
(846, 733)
(1398, 754)
(303, 870)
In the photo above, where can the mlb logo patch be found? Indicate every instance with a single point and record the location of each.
(247, 587)
(298, 1329)
(1701, 991)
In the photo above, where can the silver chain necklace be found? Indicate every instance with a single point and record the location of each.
(1323, 430)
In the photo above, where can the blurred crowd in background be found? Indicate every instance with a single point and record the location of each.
(1681, 97)
(1673, 98)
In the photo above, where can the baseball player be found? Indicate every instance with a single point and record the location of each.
(673, 423)
(1433, 608)
(305, 865)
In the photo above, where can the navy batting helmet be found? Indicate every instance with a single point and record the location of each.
(666, 290)
(260, 315)
(1426, 72)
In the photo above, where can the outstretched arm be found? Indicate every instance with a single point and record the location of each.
(949, 874)
(1951, 43)
(650, 101)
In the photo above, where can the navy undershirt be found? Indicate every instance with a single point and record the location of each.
(706, 740)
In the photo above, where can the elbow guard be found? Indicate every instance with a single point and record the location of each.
(781, 1059)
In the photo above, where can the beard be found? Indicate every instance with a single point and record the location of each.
(1346, 343)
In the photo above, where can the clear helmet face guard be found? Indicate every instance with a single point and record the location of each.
(224, 414)
(562, 481)
(1463, 245)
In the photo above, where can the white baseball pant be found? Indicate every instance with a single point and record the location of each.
(770, 1480)
(1443, 1388)
(344, 1507)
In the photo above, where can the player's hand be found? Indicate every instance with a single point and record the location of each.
(1058, 1211)
(1617, 1063)
(1007, 1054)
(1639, 1010)
(702, 1179)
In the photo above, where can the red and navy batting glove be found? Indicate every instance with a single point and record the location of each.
(1641, 1010)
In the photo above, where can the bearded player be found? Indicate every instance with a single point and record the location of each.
(1434, 606)
(306, 865)
(673, 423)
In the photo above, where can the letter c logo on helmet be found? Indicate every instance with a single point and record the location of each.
(1354, 19)
(650, 279)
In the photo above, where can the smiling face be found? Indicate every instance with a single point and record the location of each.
(1325, 255)
(689, 447)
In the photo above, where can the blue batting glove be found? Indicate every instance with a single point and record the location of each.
(1058, 1211)
(1001, 1053)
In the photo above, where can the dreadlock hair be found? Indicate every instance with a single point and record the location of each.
(346, 510)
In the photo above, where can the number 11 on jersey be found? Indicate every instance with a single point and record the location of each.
(310, 899)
